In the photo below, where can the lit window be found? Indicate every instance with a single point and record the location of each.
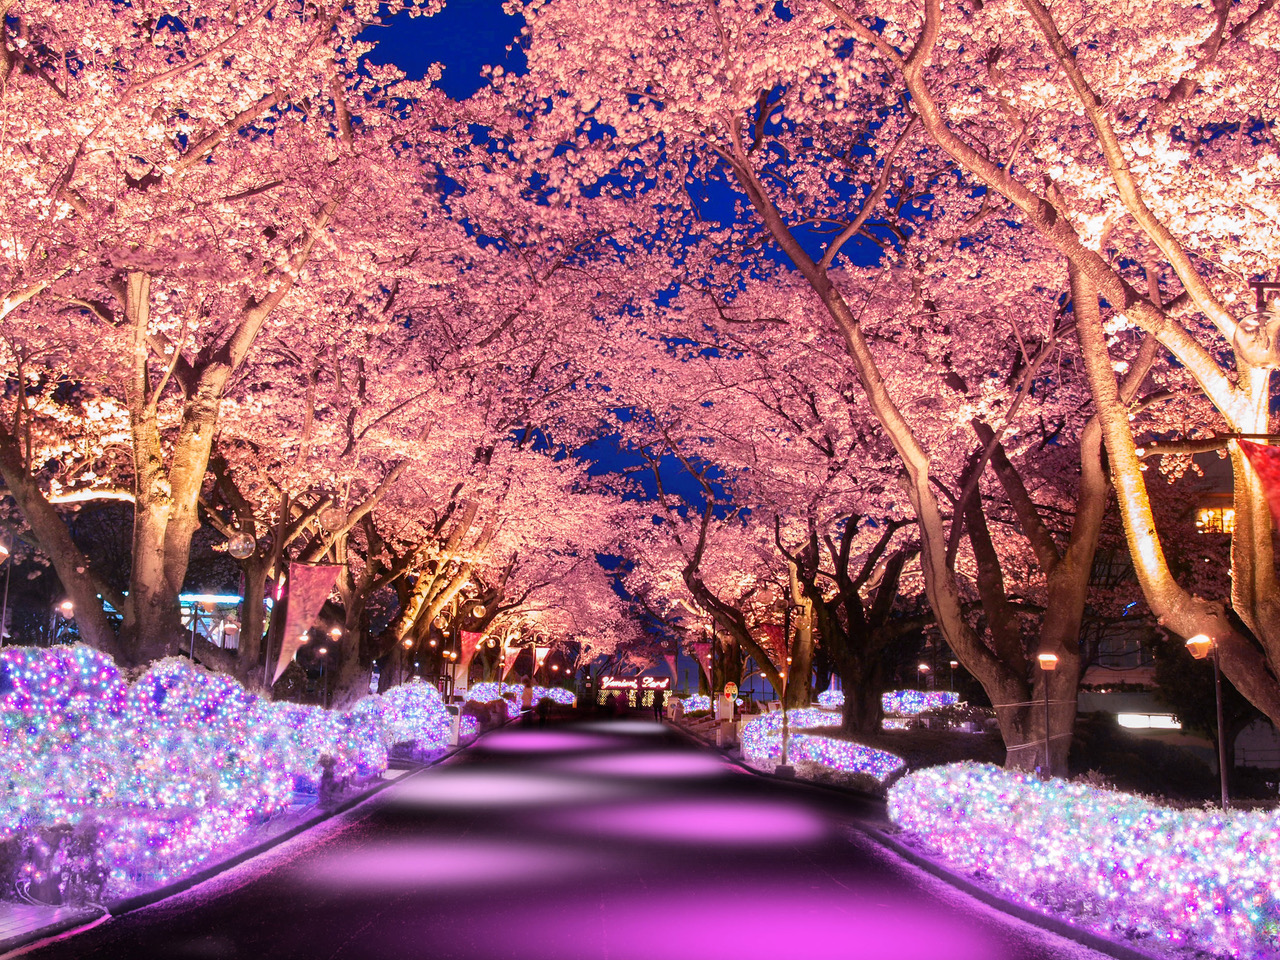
(1216, 519)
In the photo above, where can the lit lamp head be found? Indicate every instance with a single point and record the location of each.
(4, 551)
(1047, 661)
(66, 608)
(322, 651)
(336, 632)
(408, 642)
(923, 667)
(1200, 645)
(954, 664)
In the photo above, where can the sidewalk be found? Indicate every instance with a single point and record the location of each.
(24, 924)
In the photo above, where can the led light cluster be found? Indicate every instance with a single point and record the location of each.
(762, 743)
(696, 701)
(910, 703)
(1192, 877)
(831, 698)
(488, 692)
(177, 765)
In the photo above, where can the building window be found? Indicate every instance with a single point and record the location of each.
(1216, 519)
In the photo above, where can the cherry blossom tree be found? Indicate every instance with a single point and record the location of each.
(1141, 151)
(189, 180)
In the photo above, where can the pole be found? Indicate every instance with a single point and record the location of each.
(4, 607)
(1048, 757)
(1222, 734)
(193, 633)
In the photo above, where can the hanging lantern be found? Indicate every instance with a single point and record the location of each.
(478, 611)
(241, 545)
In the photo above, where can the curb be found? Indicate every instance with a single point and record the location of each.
(16, 946)
(1046, 921)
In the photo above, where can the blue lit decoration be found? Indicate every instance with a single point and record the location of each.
(912, 703)
(831, 698)
(1197, 879)
(489, 691)
(171, 770)
(762, 744)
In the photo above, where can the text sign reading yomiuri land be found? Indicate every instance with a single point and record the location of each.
(634, 683)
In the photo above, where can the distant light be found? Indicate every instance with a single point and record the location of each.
(208, 598)
(322, 651)
(336, 632)
(1148, 721)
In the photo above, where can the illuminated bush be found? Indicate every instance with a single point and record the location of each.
(1190, 877)
(147, 781)
(831, 699)
(762, 745)
(910, 703)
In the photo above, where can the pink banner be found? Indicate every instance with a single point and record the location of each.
(774, 644)
(509, 655)
(541, 654)
(470, 641)
(309, 587)
(1266, 464)
(670, 658)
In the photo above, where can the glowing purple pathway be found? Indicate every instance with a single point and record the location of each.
(611, 840)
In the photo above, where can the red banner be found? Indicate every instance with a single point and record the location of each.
(702, 651)
(774, 644)
(1266, 464)
(509, 655)
(671, 665)
(309, 587)
(470, 641)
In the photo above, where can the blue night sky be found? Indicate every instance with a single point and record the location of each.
(465, 36)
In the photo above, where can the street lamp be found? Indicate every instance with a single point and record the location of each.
(922, 670)
(67, 609)
(1201, 646)
(954, 664)
(1048, 663)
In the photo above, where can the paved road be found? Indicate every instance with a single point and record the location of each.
(594, 840)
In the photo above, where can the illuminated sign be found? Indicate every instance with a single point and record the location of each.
(635, 683)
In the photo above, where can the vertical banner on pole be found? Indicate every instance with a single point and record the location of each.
(670, 658)
(509, 655)
(539, 657)
(470, 641)
(775, 645)
(1266, 464)
(309, 587)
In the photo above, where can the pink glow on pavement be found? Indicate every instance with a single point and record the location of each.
(488, 789)
(750, 920)
(444, 865)
(646, 728)
(545, 741)
(646, 764)
(743, 824)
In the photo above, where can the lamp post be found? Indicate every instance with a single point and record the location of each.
(922, 671)
(954, 664)
(1048, 663)
(324, 686)
(4, 607)
(1201, 646)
